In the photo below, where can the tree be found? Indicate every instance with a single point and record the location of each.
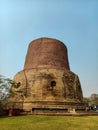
(93, 99)
(5, 85)
(5, 91)
(86, 101)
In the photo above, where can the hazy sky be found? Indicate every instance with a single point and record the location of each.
(74, 22)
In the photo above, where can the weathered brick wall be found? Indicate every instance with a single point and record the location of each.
(36, 84)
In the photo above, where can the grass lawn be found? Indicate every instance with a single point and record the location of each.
(31, 122)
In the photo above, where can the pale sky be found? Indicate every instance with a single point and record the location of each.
(74, 22)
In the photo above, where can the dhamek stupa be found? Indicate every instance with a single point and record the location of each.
(46, 85)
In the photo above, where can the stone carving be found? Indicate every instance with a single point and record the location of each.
(46, 82)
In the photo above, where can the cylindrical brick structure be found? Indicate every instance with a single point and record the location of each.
(47, 53)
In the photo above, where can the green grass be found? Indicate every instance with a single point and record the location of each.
(31, 122)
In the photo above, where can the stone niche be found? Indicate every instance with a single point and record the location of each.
(47, 85)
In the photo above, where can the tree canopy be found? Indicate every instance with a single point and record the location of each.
(5, 84)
